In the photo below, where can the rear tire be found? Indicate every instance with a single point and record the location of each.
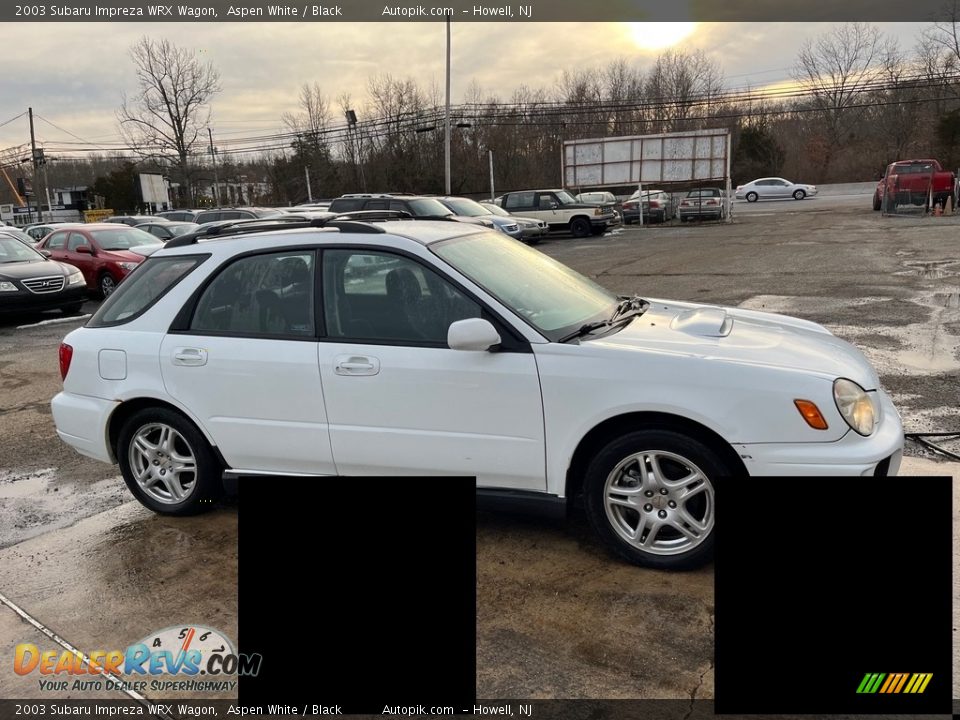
(876, 202)
(580, 227)
(167, 463)
(752, 197)
(649, 496)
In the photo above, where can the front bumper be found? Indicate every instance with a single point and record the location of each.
(82, 424)
(851, 455)
(26, 301)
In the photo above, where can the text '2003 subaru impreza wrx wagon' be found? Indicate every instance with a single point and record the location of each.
(433, 348)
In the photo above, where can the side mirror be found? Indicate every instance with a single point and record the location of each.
(45, 253)
(83, 250)
(554, 205)
(472, 334)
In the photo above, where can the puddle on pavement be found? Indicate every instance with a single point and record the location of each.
(36, 501)
(27, 484)
(948, 300)
(934, 270)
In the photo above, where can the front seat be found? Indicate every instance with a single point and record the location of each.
(404, 295)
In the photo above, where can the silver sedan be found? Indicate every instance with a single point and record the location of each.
(770, 188)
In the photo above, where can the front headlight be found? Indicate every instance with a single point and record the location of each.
(855, 405)
(7, 287)
(75, 278)
(128, 266)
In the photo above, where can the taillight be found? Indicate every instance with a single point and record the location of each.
(711, 202)
(654, 203)
(629, 205)
(66, 355)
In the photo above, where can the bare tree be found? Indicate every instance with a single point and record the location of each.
(171, 108)
(314, 114)
(838, 69)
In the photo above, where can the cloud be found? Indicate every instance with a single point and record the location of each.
(75, 73)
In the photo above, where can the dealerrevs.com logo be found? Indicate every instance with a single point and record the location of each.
(203, 656)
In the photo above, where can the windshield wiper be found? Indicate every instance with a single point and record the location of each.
(626, 309)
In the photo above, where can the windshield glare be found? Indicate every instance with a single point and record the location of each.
(123, 239)
(12, 250)
(428, 206)
(467, 207)
(565, 198)
(550, 296)
(496, 210)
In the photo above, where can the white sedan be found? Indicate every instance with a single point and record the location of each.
(773, 188)
(414, 348)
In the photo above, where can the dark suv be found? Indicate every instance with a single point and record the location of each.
(244, 213)
(418, 206)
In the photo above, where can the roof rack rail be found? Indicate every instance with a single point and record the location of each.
(357, 222)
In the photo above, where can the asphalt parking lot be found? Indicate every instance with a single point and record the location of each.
(557, 618)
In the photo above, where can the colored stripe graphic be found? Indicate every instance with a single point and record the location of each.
(894, 683)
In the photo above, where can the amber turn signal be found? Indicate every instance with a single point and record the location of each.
(811, 413)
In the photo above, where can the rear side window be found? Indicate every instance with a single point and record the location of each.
(341, 205)
(266, 295)
(143, 287)
(519, 200)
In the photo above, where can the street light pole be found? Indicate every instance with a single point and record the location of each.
(446, 124)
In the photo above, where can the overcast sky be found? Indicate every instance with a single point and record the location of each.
(73, 74)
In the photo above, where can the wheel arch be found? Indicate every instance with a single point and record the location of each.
(618, 425)
(574, 218)
(127, 408)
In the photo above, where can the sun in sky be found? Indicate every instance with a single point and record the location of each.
(660, 35)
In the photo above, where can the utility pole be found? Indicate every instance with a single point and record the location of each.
(492, 191)
(36, 165)
(446, 124)
(216, 177)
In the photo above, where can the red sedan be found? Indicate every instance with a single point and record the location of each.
(102, 251)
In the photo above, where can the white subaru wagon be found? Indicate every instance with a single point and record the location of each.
(435, 348)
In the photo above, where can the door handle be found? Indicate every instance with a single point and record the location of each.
(356, 365)
(189, 357)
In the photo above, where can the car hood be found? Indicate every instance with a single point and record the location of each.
(746, 336)
(25, 270)
(125, 255)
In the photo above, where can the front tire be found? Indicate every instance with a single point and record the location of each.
(649, 495)
(580, 227)
(167, 463)
(799, 195)
(877, 202)
(106, 285)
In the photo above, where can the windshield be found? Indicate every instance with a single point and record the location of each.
(495, 209)
(18, 234)
(122, 238)
(550, 296)
(565, 198)
(183, 229)
(428, 206)
(466, 207)
(12, 250)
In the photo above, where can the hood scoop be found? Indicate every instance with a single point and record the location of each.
(703, 322)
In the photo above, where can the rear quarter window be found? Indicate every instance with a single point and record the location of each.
(153, 279)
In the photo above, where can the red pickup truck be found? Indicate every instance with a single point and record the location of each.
(911, 182)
